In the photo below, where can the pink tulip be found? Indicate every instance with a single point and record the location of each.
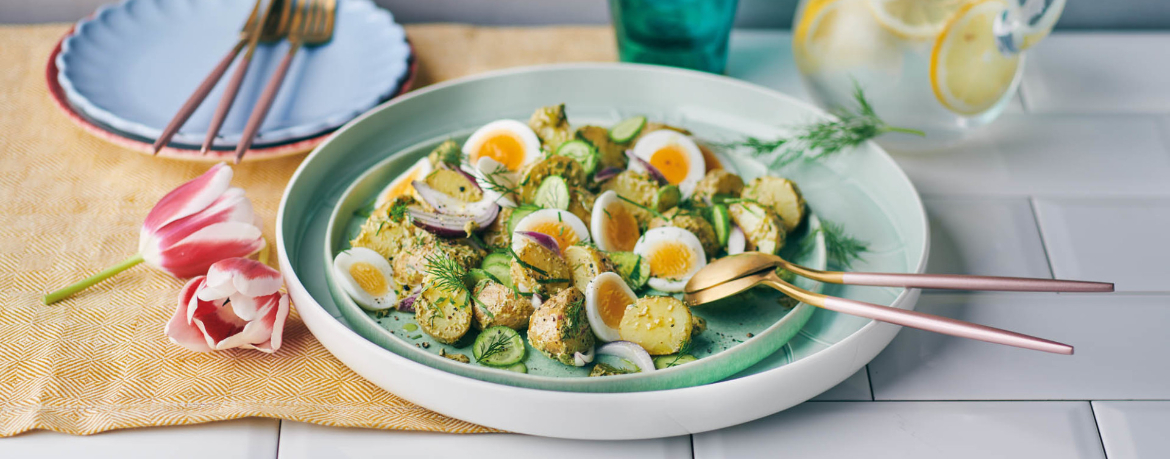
(237, 304)
(197, 224)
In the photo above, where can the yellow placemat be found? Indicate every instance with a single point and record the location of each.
(71, 204)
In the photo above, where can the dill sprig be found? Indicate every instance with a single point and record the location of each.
(398, 211)
(840, 247)
(653, 212)
(446, 274)
(682, 350)
(497, 345)
(821, 139)
(496, 180)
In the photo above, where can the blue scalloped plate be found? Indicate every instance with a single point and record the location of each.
(131, 66)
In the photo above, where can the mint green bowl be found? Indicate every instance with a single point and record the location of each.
(862, 189)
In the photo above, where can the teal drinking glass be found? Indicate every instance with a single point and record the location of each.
(681, 33)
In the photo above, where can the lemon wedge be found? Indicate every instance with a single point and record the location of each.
(841, 35)
(967, 72)
(914, 19)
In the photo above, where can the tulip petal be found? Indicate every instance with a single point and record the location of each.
(218, 323)
(196, 253)
(249, 277)
(255, 331)
(244, 306)
(189, 198)
(233, 206)
(179, 329)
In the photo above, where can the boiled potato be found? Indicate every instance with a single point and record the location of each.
(410, 265)
(699, 325)
(715, 182)
(637, 187)
(586, 263)
(581, 204)
(782, 196)
(447, 152)
(539, 270)
(693, 222)
(660, 324)
(763, 228)
(551, 125)
(496, 304)
(560, 328)
(497, 234)
(534, 174)
(612, 154)
(454, 184)
(444, 314)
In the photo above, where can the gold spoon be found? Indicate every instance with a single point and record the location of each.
(736, 266)
(907, 318)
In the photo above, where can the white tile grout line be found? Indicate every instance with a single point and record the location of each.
(692, 436)
(868, 379)
(1097, 424)
(279, 427)
(1040, 231)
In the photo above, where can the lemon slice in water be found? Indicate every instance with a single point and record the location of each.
(967, 72)
(914, 19)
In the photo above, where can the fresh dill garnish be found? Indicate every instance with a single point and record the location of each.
(446, 274)
(498, 344)
(840, 247)
(398, 211)
(524, 263)
(496, 180)
(573, 313)
(653, 212)
(380, 225)
(682, 350)
(824, 138)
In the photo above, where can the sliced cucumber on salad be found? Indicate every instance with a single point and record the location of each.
(625, 130)
(498, 347)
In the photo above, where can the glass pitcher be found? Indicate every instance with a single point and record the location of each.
(945, 67)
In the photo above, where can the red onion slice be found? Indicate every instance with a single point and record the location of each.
(629, 351)
(407, 304)
(653, 171)
(582, 359)
(447, 205)
(606, 174)
(543, 239)
(453, 225)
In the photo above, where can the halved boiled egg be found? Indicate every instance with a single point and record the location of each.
(674, 255)
(366, 277)
(495, 180)
(613, 226)
(510, 142)
(561, 225)
(674, 155)
(606, 299)
(402, 185)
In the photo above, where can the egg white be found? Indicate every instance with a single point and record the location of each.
(341, 266)
(599, 217)
(592, 309)
(499, 176)
(649, 242)
(528, 139)
(418, 171)
(657, 140)
(534, 219)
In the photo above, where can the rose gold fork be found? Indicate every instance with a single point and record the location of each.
(310, 27)
(270, 27)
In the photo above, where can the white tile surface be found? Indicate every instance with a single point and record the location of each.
(1079, 155)
(1120, 342)
(855, 388)
(765, 58)
(1098, 73)
(1134, 430)
(252, 438)
(1114, 240)
(984, 236)
(308, 441)
(908, 430)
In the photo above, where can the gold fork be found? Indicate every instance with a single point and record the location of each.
(311, 26)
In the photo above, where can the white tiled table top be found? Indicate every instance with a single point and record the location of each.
(1073, 181)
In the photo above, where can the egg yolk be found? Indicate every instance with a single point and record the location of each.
(620, 227)
(611, 303)
(369, 278)
(501, 146)
(403, 186)
(563, 233)
(671, 161)
(670, 260)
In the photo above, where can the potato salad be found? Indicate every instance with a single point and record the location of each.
(568, 240)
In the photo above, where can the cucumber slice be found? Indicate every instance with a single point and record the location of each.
(627, 129)
(673, 360)
(633, 269)
(499, 266)
(519, 367)
(518, 214)
(667, 198)
(720, 219)
(474, 276)
(553, 193)
(583, 152)
(498, 347)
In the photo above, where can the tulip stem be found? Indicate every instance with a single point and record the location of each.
(87, 282)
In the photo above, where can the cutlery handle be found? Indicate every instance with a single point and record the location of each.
(920, 320)
(197, 97)
(962, 282)
(225, 102)
(265, 102)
